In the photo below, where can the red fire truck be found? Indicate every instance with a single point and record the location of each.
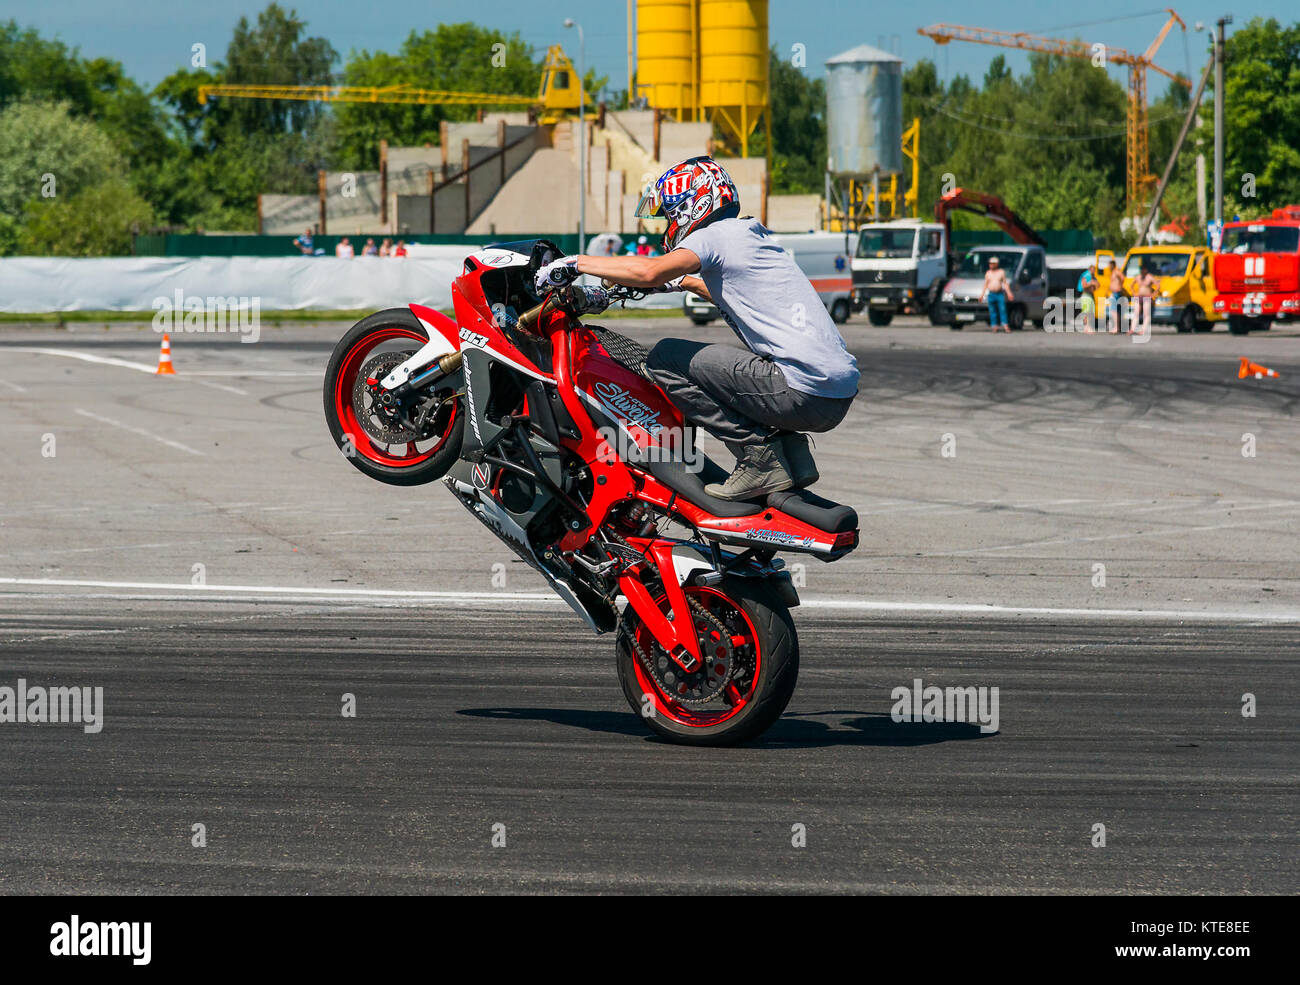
(1257, 271)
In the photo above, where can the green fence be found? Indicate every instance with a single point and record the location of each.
(195, 245)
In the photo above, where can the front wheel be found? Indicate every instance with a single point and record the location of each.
(878, 317)
(404, 441)
(751, 664)
(1015, 318)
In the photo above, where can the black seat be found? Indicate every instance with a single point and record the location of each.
(801, 504)
(816, 511)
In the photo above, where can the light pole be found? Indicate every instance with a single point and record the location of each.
(582, 135)
(1218, 121)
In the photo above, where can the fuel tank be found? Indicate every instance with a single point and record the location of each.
(623, 401)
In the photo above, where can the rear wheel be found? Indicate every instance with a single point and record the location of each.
(940, 313)
(1238, 325)
(840, 311)
(878, 317)
(749, 672)
(404, 442)
(1015, 318)
(700, 321)
(1190, 319)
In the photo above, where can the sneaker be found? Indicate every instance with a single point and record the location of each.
(760, 471)
(803, 470)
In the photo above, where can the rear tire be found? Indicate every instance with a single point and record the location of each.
(879, 318)
(1015, 318)
(840, 311)
(399, 327)
(777, 650)
(1238, 325)
(1190, 319)
(700, 321)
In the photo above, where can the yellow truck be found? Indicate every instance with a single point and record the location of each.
(1186, 295)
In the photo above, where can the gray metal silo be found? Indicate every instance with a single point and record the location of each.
(864, 113)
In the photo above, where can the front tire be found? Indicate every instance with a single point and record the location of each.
(1015, 318)
(768, 668)
(840, 311)
(358, 428)
(878, 317)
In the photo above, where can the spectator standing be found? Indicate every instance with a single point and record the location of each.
(304, 243)
(997, 292)
(1087, 288)
(1140, 318)
(1116, 293)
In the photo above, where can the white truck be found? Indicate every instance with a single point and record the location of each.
(900, 267)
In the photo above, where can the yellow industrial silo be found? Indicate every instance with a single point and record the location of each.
(666, 59)
(705, 60)
(733, 66)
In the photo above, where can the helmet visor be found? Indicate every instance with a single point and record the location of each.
(649, 207)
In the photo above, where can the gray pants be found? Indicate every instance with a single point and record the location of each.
(736, 395)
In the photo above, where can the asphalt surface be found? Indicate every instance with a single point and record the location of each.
(486, 704)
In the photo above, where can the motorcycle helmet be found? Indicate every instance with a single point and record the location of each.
(690, 195)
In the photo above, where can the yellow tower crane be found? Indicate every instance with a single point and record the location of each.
(1138, 174)
(556, 98)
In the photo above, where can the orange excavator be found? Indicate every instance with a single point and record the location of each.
(990, 207)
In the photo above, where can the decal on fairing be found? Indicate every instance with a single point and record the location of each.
(626, 408)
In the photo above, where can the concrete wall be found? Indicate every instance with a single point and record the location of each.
(794, 213)
(678, 141)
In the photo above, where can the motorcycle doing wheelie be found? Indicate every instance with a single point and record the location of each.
(548, 430)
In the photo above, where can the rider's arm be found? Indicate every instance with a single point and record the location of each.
(642, 272)
(696, 286)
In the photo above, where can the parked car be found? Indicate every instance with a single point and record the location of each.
(1027, 273)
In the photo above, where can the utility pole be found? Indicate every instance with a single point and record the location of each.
(1218, 121)
(582, 135)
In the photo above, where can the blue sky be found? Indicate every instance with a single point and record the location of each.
(152, 38)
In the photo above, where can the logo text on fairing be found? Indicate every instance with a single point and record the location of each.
(625, 406)
(770, 536)
(473, 338)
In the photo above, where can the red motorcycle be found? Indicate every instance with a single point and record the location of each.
(549, 431)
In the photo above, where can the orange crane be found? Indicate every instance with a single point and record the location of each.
(1138, 171)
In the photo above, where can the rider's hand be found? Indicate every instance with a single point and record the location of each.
(557, 273)
(672, 286)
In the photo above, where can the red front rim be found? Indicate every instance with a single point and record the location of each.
(412, 454)
(736, 696)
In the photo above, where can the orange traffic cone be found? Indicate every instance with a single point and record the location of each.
(1249, 368)
(165, 359)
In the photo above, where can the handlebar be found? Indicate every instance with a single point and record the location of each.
(562, 299)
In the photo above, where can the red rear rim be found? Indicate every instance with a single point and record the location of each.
(737, 694)
(399, 456)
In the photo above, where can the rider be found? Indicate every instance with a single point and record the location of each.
(795, 373)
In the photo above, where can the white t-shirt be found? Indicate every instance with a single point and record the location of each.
(772, 307)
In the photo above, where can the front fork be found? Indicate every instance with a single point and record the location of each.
(674, 631)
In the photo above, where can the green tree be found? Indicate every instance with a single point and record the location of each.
(98, 221)
(40, 139)
(455, 57)
(798, 108)
(1262, 115)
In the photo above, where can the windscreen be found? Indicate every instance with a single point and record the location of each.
(1161, 264)
(976, 262)
(886, 242)
(1261, 239)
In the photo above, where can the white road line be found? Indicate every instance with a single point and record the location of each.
(140, 431)
(123, 363)
(841, 604)
(14, 386)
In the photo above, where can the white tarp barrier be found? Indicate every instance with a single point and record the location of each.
(49, 284)
(32, 284)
